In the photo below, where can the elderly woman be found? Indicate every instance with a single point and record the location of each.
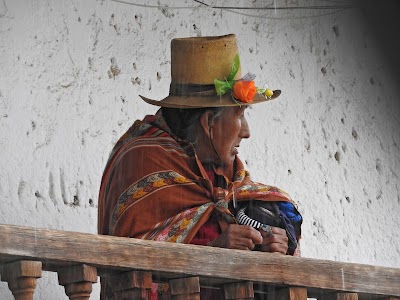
(176, 177)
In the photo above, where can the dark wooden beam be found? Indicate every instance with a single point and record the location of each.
(211, 264)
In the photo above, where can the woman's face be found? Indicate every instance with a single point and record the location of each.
(226, 132)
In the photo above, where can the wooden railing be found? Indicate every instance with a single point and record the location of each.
(131, 265)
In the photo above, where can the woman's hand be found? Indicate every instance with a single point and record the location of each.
(238, 237)
(275, 241)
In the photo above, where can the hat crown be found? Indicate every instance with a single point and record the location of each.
(195, 63)
(200, 60)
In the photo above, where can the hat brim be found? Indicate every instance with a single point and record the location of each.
(209, 101)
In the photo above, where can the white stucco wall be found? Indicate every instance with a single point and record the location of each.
(71, 72)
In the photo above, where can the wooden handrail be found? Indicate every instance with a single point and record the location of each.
(214, 266)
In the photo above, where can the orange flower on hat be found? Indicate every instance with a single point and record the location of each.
(244, 90)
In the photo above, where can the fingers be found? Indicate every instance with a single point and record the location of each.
(238, 237)
(274, 231)
(275, 248)
(244, 237)
(249, 233)
(243, 244)
(276, 241)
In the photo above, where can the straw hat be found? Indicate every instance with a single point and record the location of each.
(195, 63)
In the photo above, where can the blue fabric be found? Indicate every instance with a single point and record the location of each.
(289, 210)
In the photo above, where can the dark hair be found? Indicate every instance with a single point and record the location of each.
(181, 121)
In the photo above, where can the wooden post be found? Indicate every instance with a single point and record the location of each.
(239, 290)
(185, 288)
(131, 285)
(291, 293)
(21, 277)
(340, 296)
(77, 280)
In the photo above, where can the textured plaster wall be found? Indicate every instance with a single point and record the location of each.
(71, 72)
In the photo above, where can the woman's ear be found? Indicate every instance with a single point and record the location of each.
(207, 122)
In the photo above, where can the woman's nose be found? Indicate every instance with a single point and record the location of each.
(245, 129)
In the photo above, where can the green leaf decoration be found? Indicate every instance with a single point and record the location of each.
(222, 86)
(235, 68)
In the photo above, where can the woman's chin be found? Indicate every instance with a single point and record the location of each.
(221, 162)
(228, 161)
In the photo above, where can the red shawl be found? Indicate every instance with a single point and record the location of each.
(154, 187)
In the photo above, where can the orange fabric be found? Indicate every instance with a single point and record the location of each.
(155, 188)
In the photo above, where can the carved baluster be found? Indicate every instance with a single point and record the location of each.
(239, 290)
(340, 296)
(185, 288)
(21, 277)
(131, 285)
(77, 280)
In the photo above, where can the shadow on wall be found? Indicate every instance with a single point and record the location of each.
(383, 20)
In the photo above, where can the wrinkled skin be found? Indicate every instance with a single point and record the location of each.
(225, 133)
(221, 136)
(246, 238)
(275, 242)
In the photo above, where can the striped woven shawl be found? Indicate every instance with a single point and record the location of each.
(154, 187)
